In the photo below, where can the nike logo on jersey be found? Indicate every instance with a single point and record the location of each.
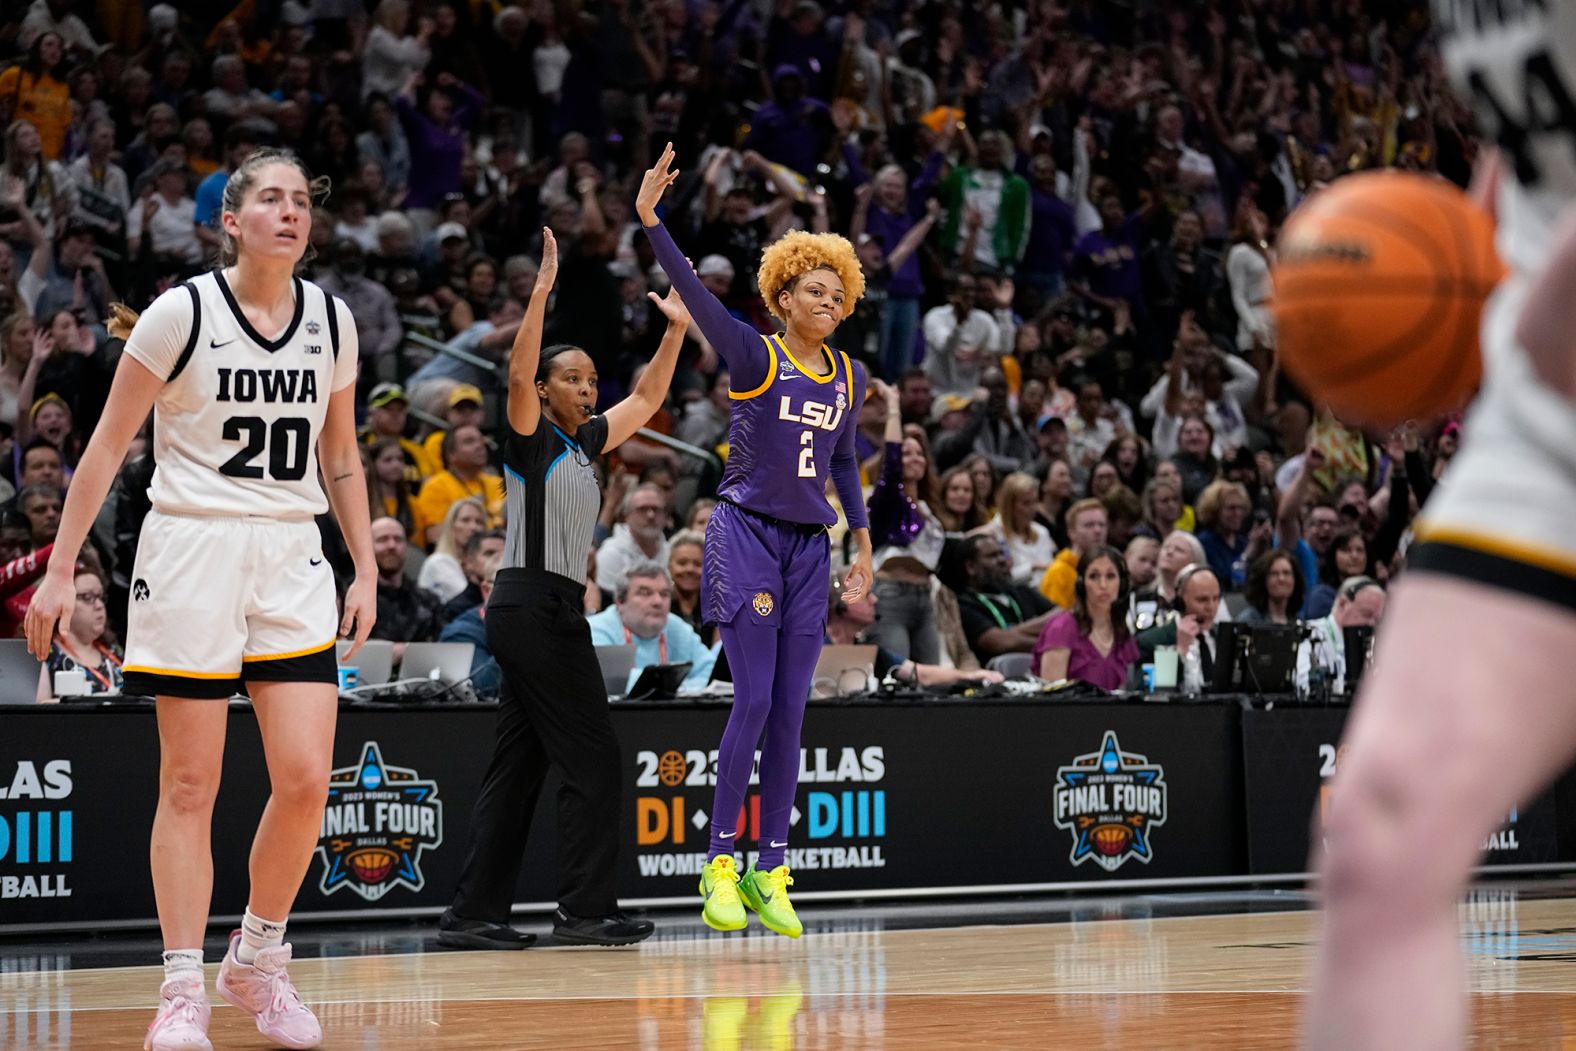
(726, 835)
(314, 561)
(777, 844)
(268, 385)
(215, 344)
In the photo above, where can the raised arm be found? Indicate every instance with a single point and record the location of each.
(910, 242)
(525, 407)
(739, 344)
(631, 414)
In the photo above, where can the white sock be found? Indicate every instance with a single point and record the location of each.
(182, 961)
(258, 934)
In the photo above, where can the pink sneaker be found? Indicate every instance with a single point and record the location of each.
(182, 1021)
(265, 991)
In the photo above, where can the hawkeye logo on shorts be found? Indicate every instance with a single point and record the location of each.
(139, 590)
(378, 822)
(1110, 800)
(762, 603)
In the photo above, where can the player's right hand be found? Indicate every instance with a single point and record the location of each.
(652, 186)
(52, 605)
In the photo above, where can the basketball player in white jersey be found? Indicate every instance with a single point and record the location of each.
(251, 375)
(1439, 751)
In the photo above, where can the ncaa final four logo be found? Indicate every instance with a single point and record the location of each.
(1110, 800)
(378, 822)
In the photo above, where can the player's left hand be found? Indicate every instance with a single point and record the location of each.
(672, 307)
(361, 612)
(857, 579)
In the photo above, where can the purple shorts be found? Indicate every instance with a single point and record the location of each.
(777, 573)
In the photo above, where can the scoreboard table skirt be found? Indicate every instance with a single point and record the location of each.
(897, 797)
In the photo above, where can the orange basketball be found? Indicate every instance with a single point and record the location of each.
(1379, 290)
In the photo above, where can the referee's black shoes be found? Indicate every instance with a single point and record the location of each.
(456, 932)
(614, 929)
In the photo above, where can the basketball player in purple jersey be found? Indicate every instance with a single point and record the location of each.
(767, 554)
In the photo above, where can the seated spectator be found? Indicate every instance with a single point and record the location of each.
(42, 465)
(1167, 471)
(41, 504)
(470, 625)
(1086, 530)
(1191, 631)
(1029, 543)
(639, 538)
(1223, 530)
(462, 407)
(1195, 457)
(1056, 496)
(161, 223)
(441, 572)
(406, 613)
(1142, 558)
(85, 643)
(1103, 476)
(1128, 454)
(1163, 507)
(388, 410)
(700, 515)
(998, 616)
(642, 615)
(1321, 659)
(1177, 552)
(849, 624)
(483, 544)
(389, 492)
(1123, 513)
(1091, 642)
(1346, 557)
(489, 338)
(464, 476)
(1274, 590)
(685, 550)
(378, 325)
(959, 511)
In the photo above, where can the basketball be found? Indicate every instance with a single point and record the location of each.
(1379, 292)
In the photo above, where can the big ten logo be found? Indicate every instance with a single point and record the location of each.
(848, 814)
(34, 836)
(1329, 760)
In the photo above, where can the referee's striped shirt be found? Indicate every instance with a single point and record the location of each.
(553, 497)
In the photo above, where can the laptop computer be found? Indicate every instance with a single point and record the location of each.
(659, 682)
(843, 671)
(374, 662)
(446, 662)
(617, 662)
(18, 673)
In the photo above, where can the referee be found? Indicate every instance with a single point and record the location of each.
(554, 704)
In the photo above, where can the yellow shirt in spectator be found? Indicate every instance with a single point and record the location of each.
(1060, 577)
(43, 102)
(443, 488)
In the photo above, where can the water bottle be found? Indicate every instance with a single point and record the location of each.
(1239, 573)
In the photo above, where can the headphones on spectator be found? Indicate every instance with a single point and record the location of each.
(1178, 604)
(1117, 559)
(1355, 586)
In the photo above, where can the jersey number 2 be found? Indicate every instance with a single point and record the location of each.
(807, 455)
(286, 442)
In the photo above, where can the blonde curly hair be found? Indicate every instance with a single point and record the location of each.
(796, 254)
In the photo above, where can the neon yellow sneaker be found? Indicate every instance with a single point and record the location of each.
(719, 887)
(767, 894)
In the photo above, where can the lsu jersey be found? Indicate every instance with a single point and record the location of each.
(237, 422)
(783, 435)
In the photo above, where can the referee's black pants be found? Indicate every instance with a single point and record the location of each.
(553, 711)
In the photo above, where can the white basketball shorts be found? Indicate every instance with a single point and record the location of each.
(219, 602)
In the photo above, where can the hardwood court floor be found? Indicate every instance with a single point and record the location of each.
(1135, 980)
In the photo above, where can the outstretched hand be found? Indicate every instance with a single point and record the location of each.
(672, 307)
(547, 271)
(653, 185)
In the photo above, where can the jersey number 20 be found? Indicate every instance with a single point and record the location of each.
(286, 442)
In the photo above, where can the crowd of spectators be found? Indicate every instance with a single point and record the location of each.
(1066, 211)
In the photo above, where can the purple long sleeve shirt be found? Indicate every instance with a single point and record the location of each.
(892, 227)
(439, 151)
(788, 428)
